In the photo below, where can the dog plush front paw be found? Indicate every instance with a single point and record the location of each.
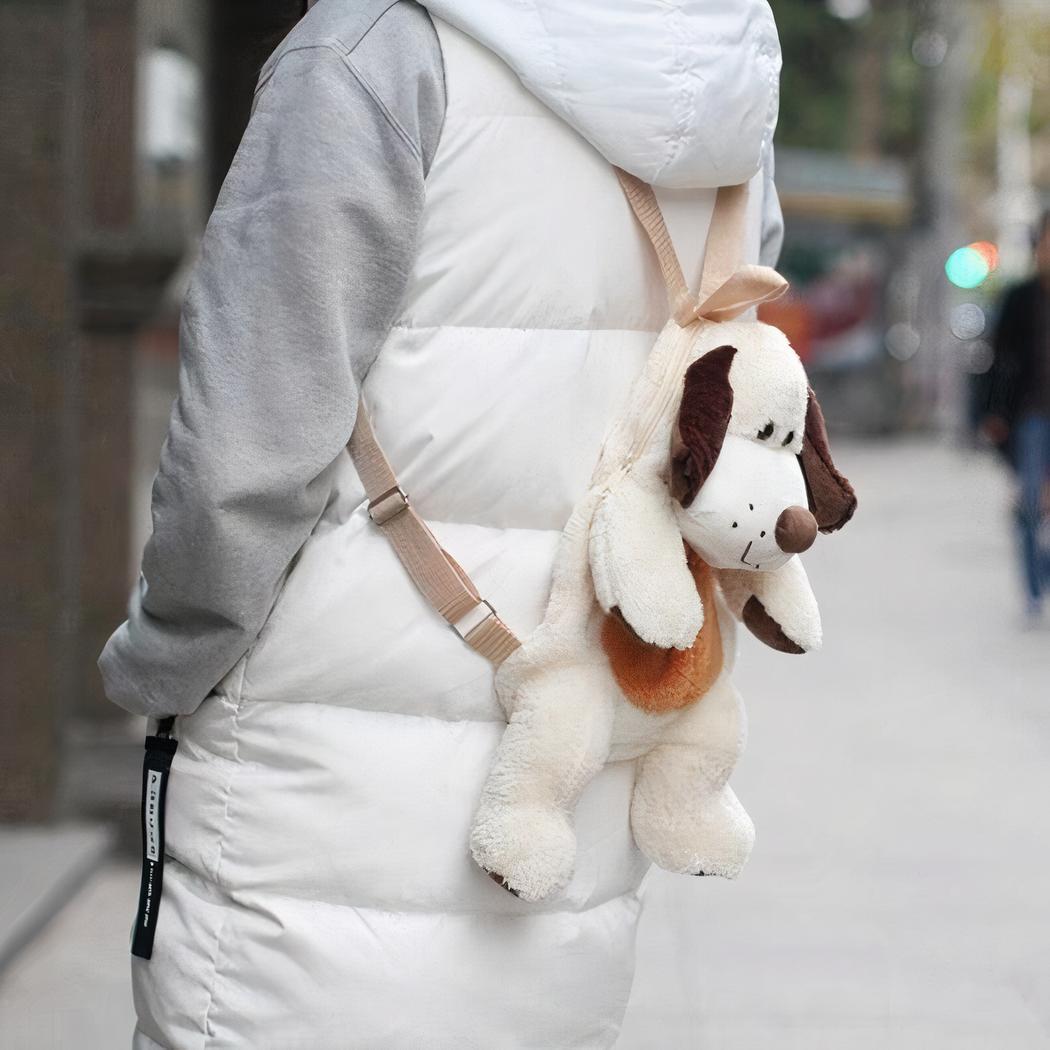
(529, 850)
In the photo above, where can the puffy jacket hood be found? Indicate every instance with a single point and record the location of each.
(682, 93)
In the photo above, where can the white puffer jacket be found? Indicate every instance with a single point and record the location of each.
(319, 877)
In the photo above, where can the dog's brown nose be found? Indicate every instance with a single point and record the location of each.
(796, 530)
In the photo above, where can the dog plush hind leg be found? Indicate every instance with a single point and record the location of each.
(557, 738)
(684, 815)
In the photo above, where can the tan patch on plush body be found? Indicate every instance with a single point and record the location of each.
(658, 680)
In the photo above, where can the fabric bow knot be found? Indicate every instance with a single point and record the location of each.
(749, 286)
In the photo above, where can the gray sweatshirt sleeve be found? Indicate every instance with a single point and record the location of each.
(301, 271)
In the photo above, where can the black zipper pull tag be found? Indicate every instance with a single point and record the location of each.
(160, 750)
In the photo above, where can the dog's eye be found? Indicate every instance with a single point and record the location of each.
(766, 432)
(789, 438)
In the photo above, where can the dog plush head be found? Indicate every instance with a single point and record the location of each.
(751, 471)
(751, 483)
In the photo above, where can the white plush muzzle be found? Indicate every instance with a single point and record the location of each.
(732, 521)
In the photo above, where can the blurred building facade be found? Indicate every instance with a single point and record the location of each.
(118, 119)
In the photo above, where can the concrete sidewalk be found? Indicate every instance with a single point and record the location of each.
(41, 869)
(899, 780)
(69, 990)
(897, 896)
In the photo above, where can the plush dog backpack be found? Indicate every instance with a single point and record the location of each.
(710, 483)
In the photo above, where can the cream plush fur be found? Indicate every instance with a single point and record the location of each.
(623, 549)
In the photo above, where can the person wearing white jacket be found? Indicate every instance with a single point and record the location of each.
(423, 213)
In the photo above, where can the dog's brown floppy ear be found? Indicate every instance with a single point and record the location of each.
(831, 496)
(707, 403)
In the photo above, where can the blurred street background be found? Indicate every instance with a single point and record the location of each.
(897, 893)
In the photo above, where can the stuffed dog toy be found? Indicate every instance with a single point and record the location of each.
(705, 494)
(704, 528)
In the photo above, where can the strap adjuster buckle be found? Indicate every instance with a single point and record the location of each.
(388, 505)
(470, 621)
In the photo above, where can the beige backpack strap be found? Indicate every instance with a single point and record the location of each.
(726, 287)
(433, 570)
(646, 208)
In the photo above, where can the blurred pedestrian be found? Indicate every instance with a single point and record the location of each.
(1018, 410)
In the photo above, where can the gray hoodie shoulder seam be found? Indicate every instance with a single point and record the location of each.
(374, 95)
(338, 48)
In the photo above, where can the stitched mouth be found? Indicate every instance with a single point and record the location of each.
(743, 557)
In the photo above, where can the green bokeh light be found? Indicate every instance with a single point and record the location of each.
(967, 267)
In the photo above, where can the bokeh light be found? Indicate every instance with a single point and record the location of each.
(967, 321)
(903, 341)
(849, 9)
(989, 252)
(967, 267)
(929, 49)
